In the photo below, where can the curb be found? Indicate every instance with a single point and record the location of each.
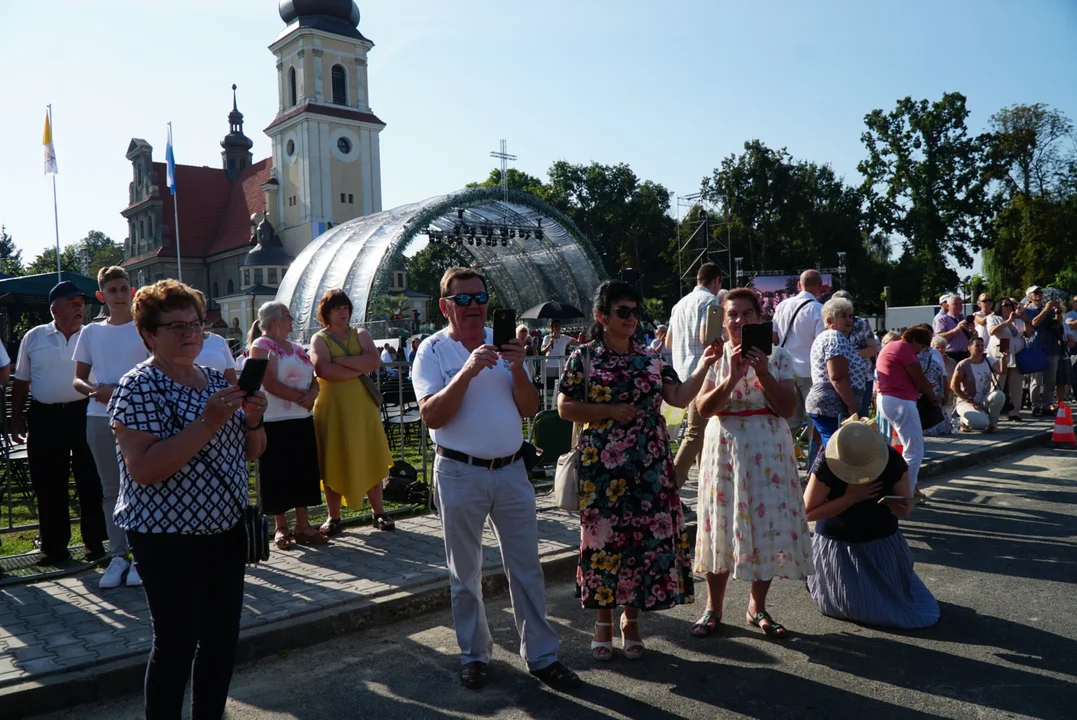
(64, 690)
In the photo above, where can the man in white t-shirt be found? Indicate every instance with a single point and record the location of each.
(472, 396)
(109, 349)
(798, 320)
(556, 345)
(684, 338)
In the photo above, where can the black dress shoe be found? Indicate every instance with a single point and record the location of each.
(94, 555)
(55, 558)
(474, 675)
(558, 677)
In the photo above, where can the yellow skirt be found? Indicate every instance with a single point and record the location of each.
(353, 454)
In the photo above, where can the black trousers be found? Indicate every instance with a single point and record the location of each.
(194, 587)
(57, 448)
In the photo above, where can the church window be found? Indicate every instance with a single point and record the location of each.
(231, 163)
(216, 291)
(231, 287)
(151, 225)
(342, 196)
(258, 276)
(140, 176)
(351, 199)
(246, 277)
(272, 276)
(344, 145)
(291, 85)
(340, 85)
(141, 229)
(290, 148)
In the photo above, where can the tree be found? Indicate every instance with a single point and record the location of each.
(517, 180)
(1031, 149)
(924, 180)
(10, 255)
(84, 257)
(46, 261)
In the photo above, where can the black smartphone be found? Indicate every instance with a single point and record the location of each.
(254, 371)
(757, 335)
(504, 326)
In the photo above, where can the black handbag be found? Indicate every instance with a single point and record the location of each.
(930, 413)
(257, 529)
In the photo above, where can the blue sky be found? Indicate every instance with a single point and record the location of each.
(670, 88)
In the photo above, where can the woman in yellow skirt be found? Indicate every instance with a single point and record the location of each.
(353, 453)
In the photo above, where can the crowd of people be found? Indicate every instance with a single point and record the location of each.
(161, 437)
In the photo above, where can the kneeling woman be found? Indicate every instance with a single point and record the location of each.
(863, 566)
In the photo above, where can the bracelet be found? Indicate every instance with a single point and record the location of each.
(252, 428)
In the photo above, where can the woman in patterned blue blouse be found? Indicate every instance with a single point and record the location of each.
(839, 375)
(184, 437)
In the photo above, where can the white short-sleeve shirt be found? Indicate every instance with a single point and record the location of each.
(112, 351)
(215, 354)
(46, 361)
(488, 423)
(685, 321)
(801, 330)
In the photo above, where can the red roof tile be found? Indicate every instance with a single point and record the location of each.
(202, 193)
(330, 110)
(247, 198)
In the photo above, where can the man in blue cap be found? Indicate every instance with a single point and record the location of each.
(57, 446)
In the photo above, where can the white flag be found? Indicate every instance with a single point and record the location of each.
(50, 151)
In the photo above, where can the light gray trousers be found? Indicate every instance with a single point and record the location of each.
(102, 443)
(467, 495)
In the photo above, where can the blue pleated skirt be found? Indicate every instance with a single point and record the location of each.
(871, 583)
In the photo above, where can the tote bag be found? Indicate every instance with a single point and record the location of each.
(566, 481)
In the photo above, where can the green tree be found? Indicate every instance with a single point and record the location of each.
(10, 255)
(924, 180)
(96, 251)
(46, 261)
(517, 180)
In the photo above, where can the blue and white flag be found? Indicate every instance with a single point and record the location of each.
(170, 161)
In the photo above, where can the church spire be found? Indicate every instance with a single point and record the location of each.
(236, 155)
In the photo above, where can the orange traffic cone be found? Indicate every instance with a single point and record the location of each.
(1063, 432)
(895, 442)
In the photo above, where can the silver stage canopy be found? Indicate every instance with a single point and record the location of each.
(359, 256)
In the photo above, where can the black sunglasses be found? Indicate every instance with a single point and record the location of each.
(464, 299)
(624, 311)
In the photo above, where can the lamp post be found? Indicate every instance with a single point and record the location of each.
(739, 273)
(841, 267)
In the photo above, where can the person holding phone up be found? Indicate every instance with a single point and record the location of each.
(1007, 333)
(856, 492)
(751, 511)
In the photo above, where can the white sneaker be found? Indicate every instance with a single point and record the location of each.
(113, 576)
(133, 578)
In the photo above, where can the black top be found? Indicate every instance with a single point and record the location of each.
(867, 520)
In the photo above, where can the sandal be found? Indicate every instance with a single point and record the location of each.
(633, 649)
(330, 527)
(384, 522)
(771, 629)
(603, 651)
(707, 625)
(311, 537)
(282, 539)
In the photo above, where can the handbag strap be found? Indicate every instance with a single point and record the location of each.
(585, 358)
(793, 319)
(343, 346)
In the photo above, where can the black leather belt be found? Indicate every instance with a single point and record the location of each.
(489, 464)
(60, 406)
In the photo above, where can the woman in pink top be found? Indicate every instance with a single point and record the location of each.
(901, 382)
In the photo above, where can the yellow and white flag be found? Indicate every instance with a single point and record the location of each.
(50, 151)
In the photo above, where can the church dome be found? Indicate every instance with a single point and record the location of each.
(336, 16)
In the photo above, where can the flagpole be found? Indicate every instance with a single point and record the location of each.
(55, 214)
(175, 213)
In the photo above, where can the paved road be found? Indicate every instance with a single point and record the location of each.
(997, 545)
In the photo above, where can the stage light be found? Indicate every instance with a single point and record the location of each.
(504, 242)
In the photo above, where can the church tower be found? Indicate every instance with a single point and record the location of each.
(326, 155)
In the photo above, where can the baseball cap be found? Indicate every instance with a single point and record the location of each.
(1033, 289)
(65, 289)
(944, 298)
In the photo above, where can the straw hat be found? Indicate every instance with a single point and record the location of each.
(857, 453)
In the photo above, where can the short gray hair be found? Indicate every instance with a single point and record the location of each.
(270, 311)
(834, 306)
(938, 342)
(521, 327)
(845, 294)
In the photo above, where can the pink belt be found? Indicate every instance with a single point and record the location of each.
(748, 413)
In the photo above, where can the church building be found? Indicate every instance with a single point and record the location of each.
(242, 224)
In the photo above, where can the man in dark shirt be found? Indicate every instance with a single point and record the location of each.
(1044, 317)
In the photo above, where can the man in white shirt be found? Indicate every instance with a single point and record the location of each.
(57, 446)
(109, 349)
(798, 320)
(555, 345)
(659, 342)
(684, 338)
(472, 396)
(386, 353)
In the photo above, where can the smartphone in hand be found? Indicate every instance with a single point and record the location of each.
(898, 500)
(504, 327)
(712, 328)
(759, 336)
(254, 371)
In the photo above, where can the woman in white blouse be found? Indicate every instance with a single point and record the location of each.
(1008, 332)
(289, 467)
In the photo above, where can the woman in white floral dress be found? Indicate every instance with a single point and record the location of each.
(752, 523)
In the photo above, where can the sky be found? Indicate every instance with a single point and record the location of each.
(669, 88)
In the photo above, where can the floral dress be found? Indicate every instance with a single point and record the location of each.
(634, 546)
(751, 511)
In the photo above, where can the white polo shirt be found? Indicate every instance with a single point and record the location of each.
(215, 354)
(111, 351)
(802, 330)
(487, 423)
(46, 361)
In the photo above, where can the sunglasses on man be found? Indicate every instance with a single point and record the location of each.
(464, 299)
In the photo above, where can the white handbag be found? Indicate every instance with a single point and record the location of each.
(566, 481)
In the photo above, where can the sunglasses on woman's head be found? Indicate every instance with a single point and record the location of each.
(464, 299)
(624, 311)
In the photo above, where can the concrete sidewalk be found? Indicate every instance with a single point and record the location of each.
(65, 642)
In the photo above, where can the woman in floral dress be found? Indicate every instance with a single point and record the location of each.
(752, 523)
(634, 548)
